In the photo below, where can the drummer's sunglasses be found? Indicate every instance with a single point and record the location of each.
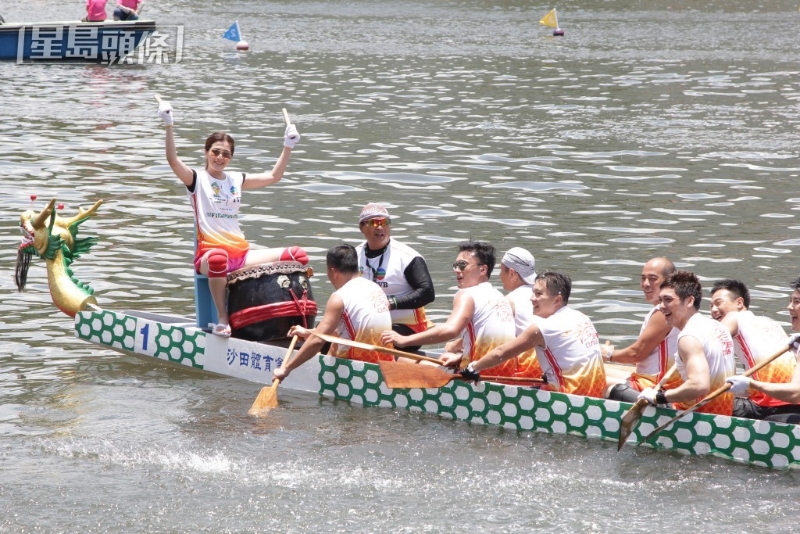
(224, 153)
(378, 222)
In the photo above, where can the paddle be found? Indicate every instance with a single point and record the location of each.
(377, 348)
(404, 375)
(630, 417)
(268, 396)
(716, 393)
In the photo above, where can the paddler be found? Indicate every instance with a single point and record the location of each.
(653, 352)
(481, 318)
(358, 310)
(755, 339)
(399, 270)
(216, 195)
(785, 391)
(565, 339)
(518, 274)
(705, 348)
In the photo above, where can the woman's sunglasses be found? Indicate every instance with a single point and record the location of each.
(219, 152)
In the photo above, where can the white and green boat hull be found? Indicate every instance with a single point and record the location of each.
(754, 442)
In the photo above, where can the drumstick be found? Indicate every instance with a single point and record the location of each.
(286, 117)
(158, 97)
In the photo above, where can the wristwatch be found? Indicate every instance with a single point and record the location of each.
(661, 397)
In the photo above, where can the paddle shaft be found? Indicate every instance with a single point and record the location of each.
(717, 392)
(376, 348)
(407, 375)
(286, 358)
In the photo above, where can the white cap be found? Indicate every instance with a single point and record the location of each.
(521, 261)
(372, 210)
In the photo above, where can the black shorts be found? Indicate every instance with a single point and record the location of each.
(789, 413)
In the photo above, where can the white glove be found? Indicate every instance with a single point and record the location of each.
(794, 340)
(739, 384)
(165, 112)
(291, 137)
(649, 394)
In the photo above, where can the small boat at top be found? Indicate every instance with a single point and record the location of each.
(105, 42)
(186, 342)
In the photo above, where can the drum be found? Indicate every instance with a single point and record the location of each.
(265, 301)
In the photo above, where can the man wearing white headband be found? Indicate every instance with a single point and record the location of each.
(518, 273)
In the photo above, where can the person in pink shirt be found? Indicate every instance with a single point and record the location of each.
(128, 9)
(95, 11)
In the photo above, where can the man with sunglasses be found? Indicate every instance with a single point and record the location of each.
(397, 269)
(565, 339)
(481, 315)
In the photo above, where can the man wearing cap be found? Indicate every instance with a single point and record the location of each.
(398, 270)
(518, 274)
(481, 316)
(654, 350)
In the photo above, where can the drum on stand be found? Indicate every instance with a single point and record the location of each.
(265, 301)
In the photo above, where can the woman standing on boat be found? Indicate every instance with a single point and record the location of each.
(216, 195)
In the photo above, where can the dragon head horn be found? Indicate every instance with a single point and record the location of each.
(40, 220)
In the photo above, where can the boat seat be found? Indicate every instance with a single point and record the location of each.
(203, 303)
(205, 310)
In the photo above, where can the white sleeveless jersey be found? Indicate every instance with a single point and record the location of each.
(523, 307)
(387, 271)
(216, 212)
(491, 325)
(718, 348)
(760, 338)
(364, 317)
(571, 358)
(663, 356)
(527, 362)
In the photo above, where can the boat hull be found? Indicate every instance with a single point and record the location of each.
(94, 42)
(517, 408)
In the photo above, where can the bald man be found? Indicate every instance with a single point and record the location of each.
(654, 350)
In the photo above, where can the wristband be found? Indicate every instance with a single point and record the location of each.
(661, 397)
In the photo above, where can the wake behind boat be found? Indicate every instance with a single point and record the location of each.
(180, 341)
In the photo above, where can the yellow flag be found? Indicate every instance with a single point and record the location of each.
(550, 20)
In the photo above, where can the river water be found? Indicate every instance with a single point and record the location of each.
(650, 128)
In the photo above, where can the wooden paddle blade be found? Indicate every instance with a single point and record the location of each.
(629, 420)
(404, 375)
(267, 399)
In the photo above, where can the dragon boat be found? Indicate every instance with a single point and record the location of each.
(184, 342)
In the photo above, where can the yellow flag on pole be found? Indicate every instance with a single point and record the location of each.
(550, 20)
